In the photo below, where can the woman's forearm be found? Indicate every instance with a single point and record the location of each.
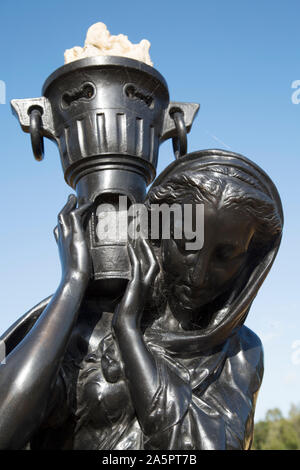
(28, 377)
(140, 366)
(145, 381)
(149, 380)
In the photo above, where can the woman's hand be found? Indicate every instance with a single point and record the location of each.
(69, 235)
(144, 271)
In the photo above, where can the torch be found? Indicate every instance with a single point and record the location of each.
(108, 116)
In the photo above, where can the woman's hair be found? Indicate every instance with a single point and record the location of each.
(224, 187)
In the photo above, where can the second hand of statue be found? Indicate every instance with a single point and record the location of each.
(144, 271)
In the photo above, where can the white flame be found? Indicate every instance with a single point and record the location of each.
(100, 42)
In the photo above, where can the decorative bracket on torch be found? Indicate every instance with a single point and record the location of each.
(189, 112)
(35, 117)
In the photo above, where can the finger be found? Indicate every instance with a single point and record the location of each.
(134, 262)
(83, 209)
(141, 255)
(55, 233)
(139, 249)
(152, 263)
(63, 216)
(77, 216)
(69, 206)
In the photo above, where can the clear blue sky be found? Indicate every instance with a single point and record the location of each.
(238, 59)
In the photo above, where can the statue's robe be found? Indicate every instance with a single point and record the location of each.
(218, 390)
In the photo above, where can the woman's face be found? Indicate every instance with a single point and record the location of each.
(196, 278)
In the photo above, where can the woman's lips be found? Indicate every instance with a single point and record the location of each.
(191, 291)
(189, 295)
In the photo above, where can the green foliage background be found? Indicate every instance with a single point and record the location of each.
(277, 432)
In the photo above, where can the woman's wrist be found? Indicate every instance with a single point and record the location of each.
(75, 278)
(125, 323)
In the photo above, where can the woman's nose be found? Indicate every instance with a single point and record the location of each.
(199, 271)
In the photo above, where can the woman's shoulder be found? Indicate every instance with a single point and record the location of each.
(250, 344)
(246, 350)
(248, 338)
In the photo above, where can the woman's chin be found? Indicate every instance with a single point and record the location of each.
(187, 302)
(188, 307)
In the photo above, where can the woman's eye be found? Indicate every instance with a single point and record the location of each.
(181, 246)
(180, 243)
(226, 252)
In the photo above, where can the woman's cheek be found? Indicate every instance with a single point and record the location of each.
(173, 260)
(227, 271)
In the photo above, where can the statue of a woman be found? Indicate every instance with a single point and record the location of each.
(169, 364)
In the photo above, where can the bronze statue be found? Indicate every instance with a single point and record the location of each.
(146, 350)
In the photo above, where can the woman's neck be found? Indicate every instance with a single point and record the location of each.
(167, 321)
